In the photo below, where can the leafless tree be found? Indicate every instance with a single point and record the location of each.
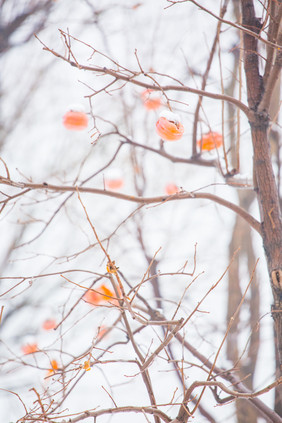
(258, 46)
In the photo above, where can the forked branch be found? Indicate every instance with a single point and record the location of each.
(130, 77)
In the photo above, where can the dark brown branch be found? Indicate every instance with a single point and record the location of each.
(251, 62)
(268, 196)
(274, 24)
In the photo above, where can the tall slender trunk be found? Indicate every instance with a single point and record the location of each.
(259, 95)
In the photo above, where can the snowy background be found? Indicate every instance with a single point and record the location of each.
(36, 91)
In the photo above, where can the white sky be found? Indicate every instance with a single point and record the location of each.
(39, 148)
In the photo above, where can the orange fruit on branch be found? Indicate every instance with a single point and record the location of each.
(54, 367)
(29, 348)
(150, 99)
(114, 184)
(171, 189)
(75, 119)
(99, 296)
(114, 179)
(92, 297)
(169, 127)
(49, 324)
(210, 141)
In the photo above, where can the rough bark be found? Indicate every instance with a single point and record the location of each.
(242, 239)
(265, 184)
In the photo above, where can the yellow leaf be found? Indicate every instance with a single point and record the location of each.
(86, 365)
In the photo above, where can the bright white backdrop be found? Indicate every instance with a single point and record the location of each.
(172, 41)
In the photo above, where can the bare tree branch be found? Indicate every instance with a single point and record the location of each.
(118, 75)
(141, 200)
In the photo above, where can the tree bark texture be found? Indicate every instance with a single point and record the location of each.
(259, 95)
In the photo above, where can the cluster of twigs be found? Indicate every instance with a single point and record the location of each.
(165, 333)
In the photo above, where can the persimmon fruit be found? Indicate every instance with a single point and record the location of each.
(29, 348)
(169, 127)
(114, 184)
(210, 141)
(49, 324)
(98, 296)
(171, 189)
(151, 100)
(75, 120)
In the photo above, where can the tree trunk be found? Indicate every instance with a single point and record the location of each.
(247, 363)
(264, 180)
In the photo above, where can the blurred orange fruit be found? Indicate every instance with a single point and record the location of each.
(29, 348)
(114, 184)
(75, 120)
(169, 127)
(210, 141)
(54, 367)
(92, 297)
(150, 99)
(171, 189)
(49, 324)
(98, 296)
(108, 294)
